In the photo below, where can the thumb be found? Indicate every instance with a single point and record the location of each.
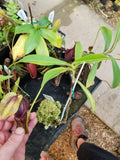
(8, 150)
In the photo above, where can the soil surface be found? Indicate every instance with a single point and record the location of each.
(96, 130)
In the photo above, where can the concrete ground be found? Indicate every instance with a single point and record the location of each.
(80, 23)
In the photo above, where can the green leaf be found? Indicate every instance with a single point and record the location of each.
(44, 22)
(91, 58)
(41, 48)
(15, 88)
(116, 74)
(32, 41)
(89, 96)
(52, 37)
(117, 37)
(107, 34)
(50, 74)
(26, 28)
(91, 75)
(2, 78)
(78, 51)
(43, 60)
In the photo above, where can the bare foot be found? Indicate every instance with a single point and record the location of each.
(45, 156)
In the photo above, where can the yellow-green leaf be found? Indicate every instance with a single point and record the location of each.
(26, 28)
(1, 95)
(116, 74)
(41, 48)
(15, 88)
(91, 75)
(78, 51)
(91, 58)
(117, 37)
(1, 90)
(44, 22)
(18, 49)
(9, 104)
(2, 77)
(32, 41)
(52, 73)
(107, 34)
(89, 96)
(56, 25)
(52, 37)
(43, 60)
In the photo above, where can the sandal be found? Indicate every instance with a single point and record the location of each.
(78, 131)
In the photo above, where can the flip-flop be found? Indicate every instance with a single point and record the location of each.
(78, 131)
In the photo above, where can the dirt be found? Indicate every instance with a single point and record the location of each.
(97, 132)
(110, 12)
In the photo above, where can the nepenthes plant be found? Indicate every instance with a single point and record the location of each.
(79, 60)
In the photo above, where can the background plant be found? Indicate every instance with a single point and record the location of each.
(36, 37)
(9, 20)
(117, 2)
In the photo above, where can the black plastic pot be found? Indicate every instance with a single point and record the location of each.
(103, 1)
(40, 138)
(4, 53)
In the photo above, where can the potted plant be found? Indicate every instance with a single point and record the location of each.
(8, 21)
(31, 49)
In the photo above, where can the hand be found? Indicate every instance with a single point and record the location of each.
(12, 146)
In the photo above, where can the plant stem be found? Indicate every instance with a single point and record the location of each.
(32, 108)
(30, 12)
(69, 100)
(52, 51)
(96, 38)
(13, 41)
(8, 42)
(8, 82)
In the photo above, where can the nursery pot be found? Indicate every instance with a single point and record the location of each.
(41, 139)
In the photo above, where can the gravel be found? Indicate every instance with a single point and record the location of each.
(97, 132)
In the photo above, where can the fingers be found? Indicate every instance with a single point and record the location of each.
(10, 119)
(1, 123)
(32, 121)
(2, 138)
(31, 125)
(10, 147)
(7, 123)
(32, 115)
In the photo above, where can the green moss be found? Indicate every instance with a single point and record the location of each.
(48, 113)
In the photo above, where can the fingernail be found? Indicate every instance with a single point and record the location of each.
(19, 130)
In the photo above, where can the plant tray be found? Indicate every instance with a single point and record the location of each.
(40, 138)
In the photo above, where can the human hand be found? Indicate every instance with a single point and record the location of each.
(12, 146)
